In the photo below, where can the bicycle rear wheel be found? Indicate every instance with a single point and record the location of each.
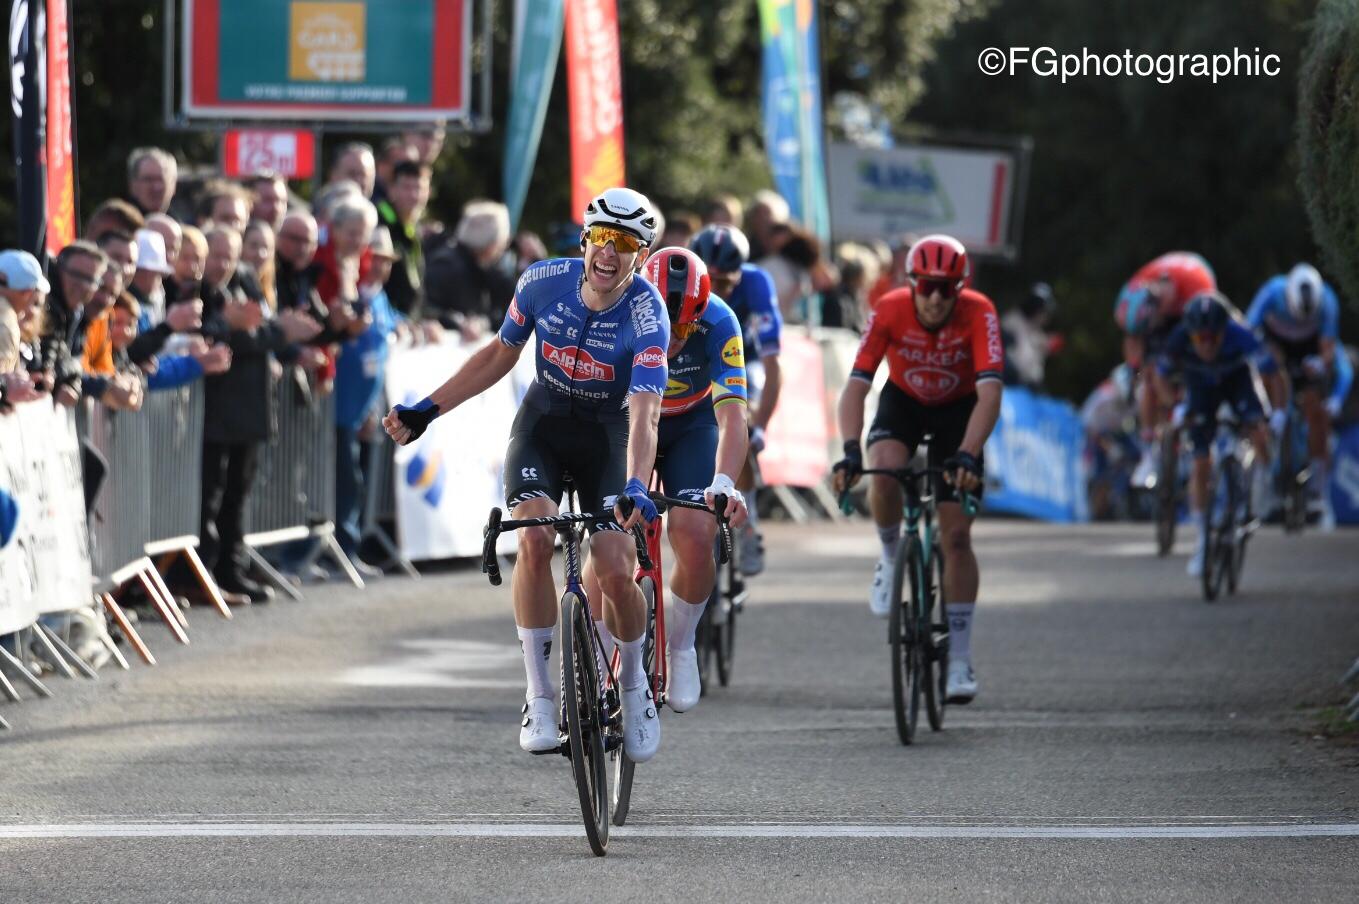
(705, 643)
(936, 643)
(1235, 540)
(1167, 494)
(585, 721)
(623, 766)
(901, 633)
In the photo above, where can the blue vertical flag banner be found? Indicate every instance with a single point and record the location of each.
(793, 134)
(533, 65)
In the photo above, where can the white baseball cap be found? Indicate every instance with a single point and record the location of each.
(22, 272)
(151, 252)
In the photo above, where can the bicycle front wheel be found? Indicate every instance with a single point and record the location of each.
(1221, 523)
(901, 633)
(585, 720)
(623, 767)
(1167, 495)
(724, 620)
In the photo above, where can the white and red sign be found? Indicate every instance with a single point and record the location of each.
(289, 152)
(649, 357)
(578, 363)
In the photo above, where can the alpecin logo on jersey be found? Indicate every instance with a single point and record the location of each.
(515, 314)
(644, 319)
(649, 357)
(577, 363)
(931, 382)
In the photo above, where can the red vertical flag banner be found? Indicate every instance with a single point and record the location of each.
(595, 84)
(61, 213)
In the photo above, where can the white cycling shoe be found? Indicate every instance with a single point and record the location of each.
(538, 731)
(880, 595)
(1195, 567)
(641, 724)
(961, 685)
(751, 560)
(683, 690)
(1144, 475)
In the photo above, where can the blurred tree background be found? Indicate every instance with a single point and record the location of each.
(1122, 168)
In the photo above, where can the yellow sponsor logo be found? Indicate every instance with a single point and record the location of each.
(734, 353)
(328, 42)
(675, 387)
(736, 381)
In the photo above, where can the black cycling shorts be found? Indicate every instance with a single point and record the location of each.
(1293, 353)
(907, 420)
(686, 452)
(545, 448)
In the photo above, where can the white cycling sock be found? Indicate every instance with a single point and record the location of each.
(536, 645)
(683, 624)
(960, 629)
(888, 537)
(630, 672)
(606, 641)
(1317, 477)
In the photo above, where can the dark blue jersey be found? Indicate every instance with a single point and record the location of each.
(1240, 349)
(589, 362)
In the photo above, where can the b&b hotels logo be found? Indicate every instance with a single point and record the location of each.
(328, 42)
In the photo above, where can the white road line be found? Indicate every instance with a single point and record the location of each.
(753, 831)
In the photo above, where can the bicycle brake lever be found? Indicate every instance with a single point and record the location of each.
(490, 566)
(723, 528)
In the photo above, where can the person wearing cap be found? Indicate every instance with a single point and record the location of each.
(359, 370)
(158, 321)
(22, 289)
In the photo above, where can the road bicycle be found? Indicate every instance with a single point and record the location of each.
(651, 582)
(1230, 520)
(917, 627)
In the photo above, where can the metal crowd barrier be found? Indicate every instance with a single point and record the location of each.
(293, 498)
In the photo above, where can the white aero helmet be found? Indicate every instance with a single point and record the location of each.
(1303, 293)
(626, 209)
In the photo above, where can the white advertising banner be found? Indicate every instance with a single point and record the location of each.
(878, 193)
(46, 567)
(448, 480)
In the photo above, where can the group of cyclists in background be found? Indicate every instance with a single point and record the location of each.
(663, 363)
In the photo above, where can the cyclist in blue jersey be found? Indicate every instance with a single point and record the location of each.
(703, 441)
(592, 412)
(1298, 315)
(1218, 358)
(749, 292)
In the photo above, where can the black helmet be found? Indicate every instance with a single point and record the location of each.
(1206, 313)
(723, 248)
(1039, 301)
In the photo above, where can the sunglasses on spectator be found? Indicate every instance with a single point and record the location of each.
(623, 242)
(927, 287)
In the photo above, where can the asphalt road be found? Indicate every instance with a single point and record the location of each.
(1130, 743)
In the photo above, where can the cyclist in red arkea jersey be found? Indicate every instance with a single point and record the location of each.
(943, 347)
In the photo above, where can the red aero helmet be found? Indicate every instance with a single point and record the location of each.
(682, 278)
(940, 257)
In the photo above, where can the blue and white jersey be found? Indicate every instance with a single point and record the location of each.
(1269, 312)
(589, 362)
(756, 305)
(709, 366)
(1240, 348)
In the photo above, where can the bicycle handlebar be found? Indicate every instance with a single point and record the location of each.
(907, 478)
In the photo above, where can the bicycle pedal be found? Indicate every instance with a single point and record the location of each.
(563, 747)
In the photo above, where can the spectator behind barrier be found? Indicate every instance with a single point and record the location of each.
(723, 210)
(171, 233)
(152, 178)
(766, 211)
(401, 212)
(114, 214)
(894, 275)
(1028, 342)
(846, 306)
(268, 198)
(466, 289)
(224, 204)
(679, 229)
(239, 404)
(353, 162)
(22, 290)
(394, 150)
(257, 253)
(427, 141)
(193, 254)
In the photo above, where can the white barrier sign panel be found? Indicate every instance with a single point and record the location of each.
(448, 480)
(877, 193)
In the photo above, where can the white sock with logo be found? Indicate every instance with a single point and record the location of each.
(960, 630)
(683, 624)
(631, 675)
(536, 645)
(888, 537)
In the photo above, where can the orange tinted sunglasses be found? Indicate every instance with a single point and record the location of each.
(623, 242)
(683, 330)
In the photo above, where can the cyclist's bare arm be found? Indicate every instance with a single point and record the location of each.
(769, 395)
(983, 418)
(732, 437)
(482, 371)
(1276, 389)
(849, 413)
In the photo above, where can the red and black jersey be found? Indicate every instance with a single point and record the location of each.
(933, 367)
